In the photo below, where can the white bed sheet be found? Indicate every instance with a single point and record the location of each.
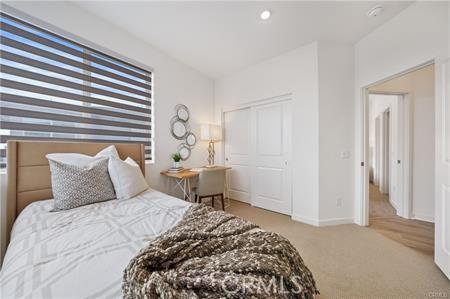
(81, 253)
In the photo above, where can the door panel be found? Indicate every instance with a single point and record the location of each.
(237, 149)
(269, 130)
(239, 178)
(271, 140)
(270, 181)
(442, 204)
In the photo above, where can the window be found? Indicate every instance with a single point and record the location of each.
(52, 88)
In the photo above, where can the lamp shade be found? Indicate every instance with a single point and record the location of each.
(210, 132)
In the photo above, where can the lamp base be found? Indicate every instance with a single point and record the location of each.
(210, 166)
(211, 153)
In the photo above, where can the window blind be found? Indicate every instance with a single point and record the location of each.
(53, 88)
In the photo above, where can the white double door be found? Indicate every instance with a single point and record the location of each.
(258, 148)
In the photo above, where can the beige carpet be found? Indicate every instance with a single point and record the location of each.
(350, 261)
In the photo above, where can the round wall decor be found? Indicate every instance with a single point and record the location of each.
(191, 139)
(185, 151)
(181, 130)
(182, 112)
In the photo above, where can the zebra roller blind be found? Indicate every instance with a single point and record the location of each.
(52, 88)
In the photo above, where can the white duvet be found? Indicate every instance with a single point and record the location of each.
(81, 253)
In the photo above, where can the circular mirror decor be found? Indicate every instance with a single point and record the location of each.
(179, 128)
(184, 151)
(182, 112)
(191, 139)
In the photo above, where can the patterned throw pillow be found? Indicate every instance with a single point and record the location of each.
(75, 186)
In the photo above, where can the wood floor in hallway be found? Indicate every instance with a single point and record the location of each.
(412, 233)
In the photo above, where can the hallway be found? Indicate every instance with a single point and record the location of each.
(412, 233)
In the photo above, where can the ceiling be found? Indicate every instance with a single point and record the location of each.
(218, 38)
(406, 82)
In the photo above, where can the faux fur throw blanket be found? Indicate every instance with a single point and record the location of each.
(212, 254)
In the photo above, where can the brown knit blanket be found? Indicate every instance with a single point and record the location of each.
(212, 254)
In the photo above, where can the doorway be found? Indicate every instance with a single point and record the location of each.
(257, 146)
(401, 144)
(385, 143)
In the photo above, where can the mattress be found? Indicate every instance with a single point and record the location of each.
(81, 253)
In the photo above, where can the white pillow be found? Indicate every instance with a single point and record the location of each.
(81, 159)
(126, 177)
(110, 151)
(72, 158)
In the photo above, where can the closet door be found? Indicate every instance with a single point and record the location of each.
(271, 156)
(237, 152)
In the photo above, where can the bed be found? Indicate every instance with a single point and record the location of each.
(52, 255)
(101, 250)
(82, 252)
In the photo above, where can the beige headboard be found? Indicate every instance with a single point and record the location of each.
(28, 171)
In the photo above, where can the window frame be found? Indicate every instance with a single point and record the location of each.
(88, 45)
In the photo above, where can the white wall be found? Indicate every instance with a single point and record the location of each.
(420, 86)
(173, 82)
(418, 34)
(320, 78)
(336, 69)
(295, 72)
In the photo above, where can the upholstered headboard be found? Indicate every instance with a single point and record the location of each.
(28, 171)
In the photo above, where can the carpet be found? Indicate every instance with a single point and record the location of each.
(351, 261)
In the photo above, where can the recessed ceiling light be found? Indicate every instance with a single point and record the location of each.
(375, 11)
(265, 14)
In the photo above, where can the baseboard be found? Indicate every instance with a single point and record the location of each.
(323, 222)
(336, 221)
(302, 219)
(237, 196)
(241, 200)
(394, 204)
(427, 218)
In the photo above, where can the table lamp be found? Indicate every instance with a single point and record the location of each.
(210, 133)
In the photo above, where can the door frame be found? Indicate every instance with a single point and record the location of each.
(405, 187)
(403, 176)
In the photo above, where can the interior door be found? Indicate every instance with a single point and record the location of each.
(237, 152)
(442, 203)
(377, 151)
(271, 156)
(384, 153)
